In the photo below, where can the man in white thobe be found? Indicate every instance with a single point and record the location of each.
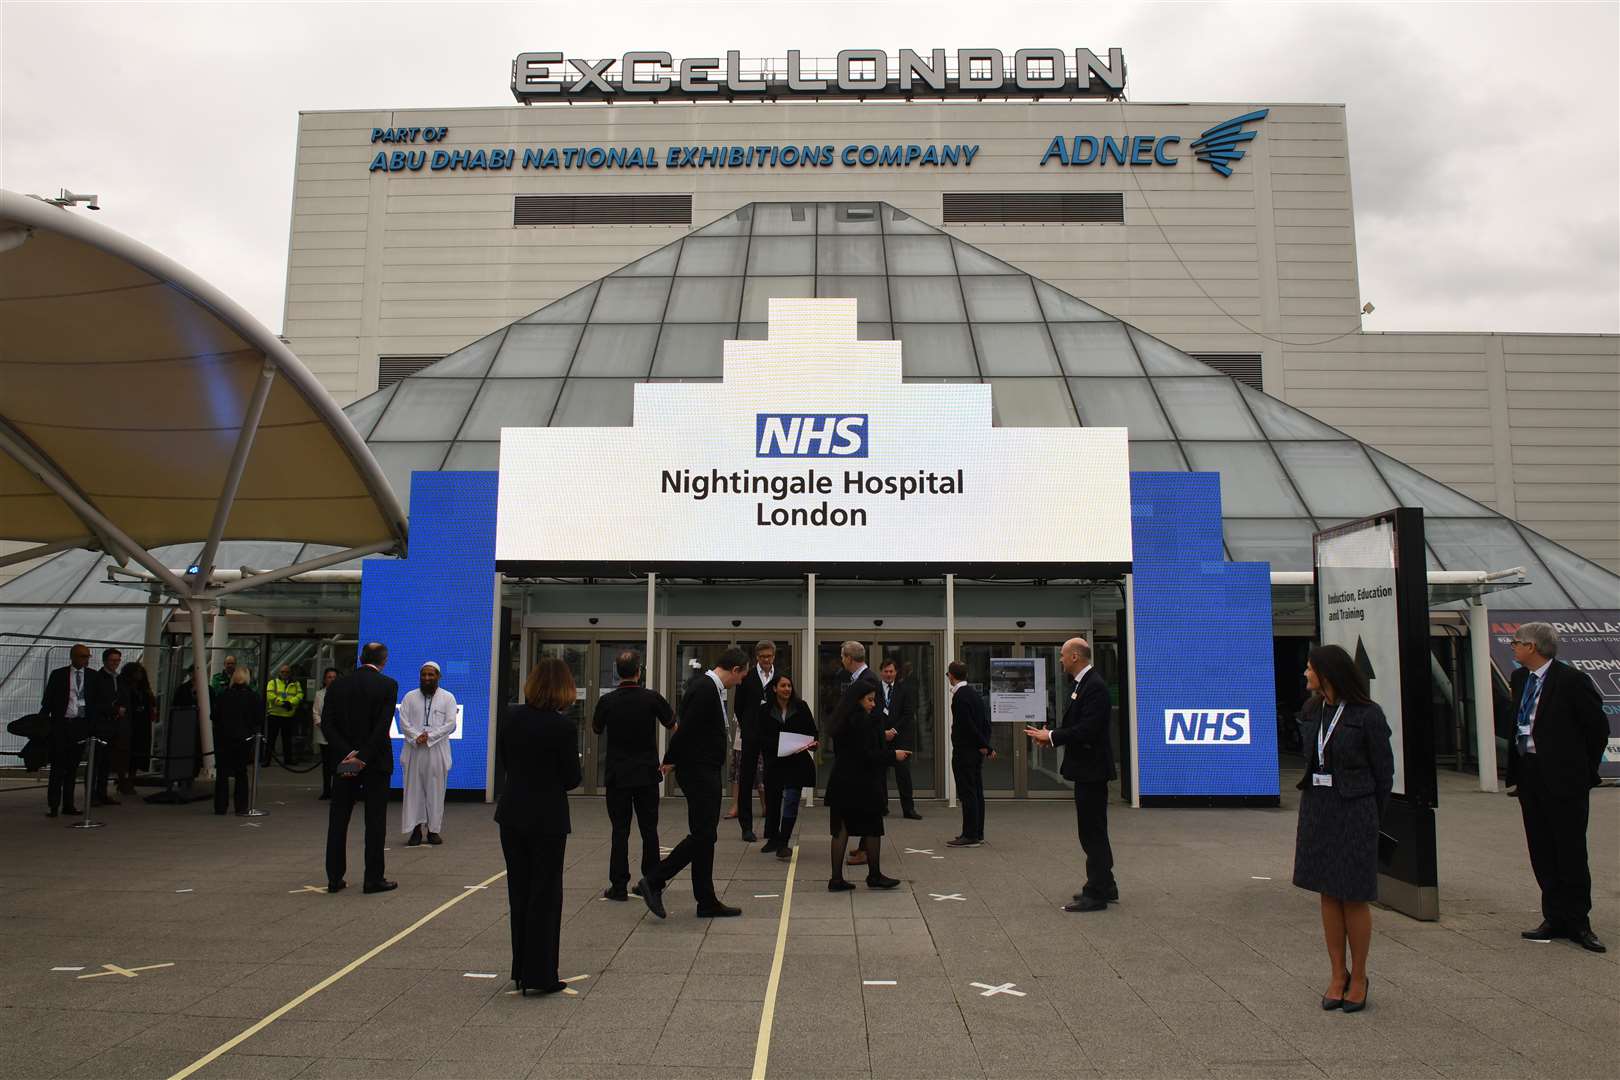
(427, 717)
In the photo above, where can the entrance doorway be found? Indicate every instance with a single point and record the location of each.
(1021, 769)
(590, 660)
(691, 653)
(916, 658)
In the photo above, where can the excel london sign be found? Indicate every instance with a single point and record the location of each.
(1028, 73)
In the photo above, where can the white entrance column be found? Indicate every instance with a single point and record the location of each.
(1479, 645)
(950, 655)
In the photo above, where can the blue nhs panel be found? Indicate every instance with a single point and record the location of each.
(1206, 710)
(439, 604)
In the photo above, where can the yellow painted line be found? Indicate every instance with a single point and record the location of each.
(762, 1048)
(232, 1044)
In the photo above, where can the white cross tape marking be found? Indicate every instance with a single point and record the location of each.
(880, 982)
(1004, 988)
(948, 896)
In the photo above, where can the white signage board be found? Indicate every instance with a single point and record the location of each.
(813, 452)
(1356, 583)
(1018, 691)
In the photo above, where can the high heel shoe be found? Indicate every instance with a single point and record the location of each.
(1356, 1006)
(1331, 1003)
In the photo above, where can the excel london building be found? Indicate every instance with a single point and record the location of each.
(954, 353)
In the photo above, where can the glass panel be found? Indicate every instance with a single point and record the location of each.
(998, 771)
(607, 680)
(52, 581)
(595, 403)
(830, 677)
(926, 299)
(576, 654)
(1061, 307)
(1206, 409)
(1588, 584)
(364, 412)
(1161, 359)
(1282, 421)
(914, 670)
(753, 331)
(936, 349)
(1156, 457)
(1100, 348)
(1415, 489)
(1472, 544)
(735, 223)
(874, 331)
(660, 263)
(615, 350)
(474, 457)
(919, 255)
(1127, 403)
(1015, 349)
(1043, 765)
(471, 361)
(871, 295)
(849, 255)
(782, 255)
(970, 260)
(1335, 478)
(1253, 484)
(573, 308)
(691, 350)
(1285, 543)
(781, 219)
(722, 256)
(757, 293)
(631, 300)
(1031, 403)
(1000, 299)
(510, 403)
(846, 218)
(426, 409)
(901, 223)
(536, 351)
(399, 460)
(704, 300)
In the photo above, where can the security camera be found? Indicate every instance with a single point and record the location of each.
(736, 622)
(94, 203)
(877, 622)
(1367, 308)
(593, 620)
(1020, 624)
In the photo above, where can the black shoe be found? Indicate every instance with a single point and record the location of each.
(885, 811)
(50, 813)
(1588, 941)
(1545, 932)
(102, 800)
(614, 893)
(717, 911)
(1356, 1006)
(1111, 895)
(784, 853)
(379, 886)
(72, 811)
(771, 847)
(435, 839)
(653, 897)
(323, 796)
(336, 886)
(416, 837)
(880, 881)
(962, 841)
(1329, 1004)
(540, 991)
(1087, 903)
(748, 836)
(838, 884)
(219, 813)
(912, 815)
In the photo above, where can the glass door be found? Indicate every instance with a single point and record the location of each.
(917, 669)
(576, 654)
(1001, 771)
(692, 654)
(1021, 769)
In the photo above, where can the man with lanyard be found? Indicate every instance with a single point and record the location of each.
(72, 696)
(427, 719)
(750, 708)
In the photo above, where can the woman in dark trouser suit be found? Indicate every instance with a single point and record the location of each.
(539, 751)
(855, 788)
(238, 716)
(785, 777)
(1344, 790)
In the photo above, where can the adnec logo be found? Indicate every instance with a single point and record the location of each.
(1206, 727)
(1218, 147)
(810, 435)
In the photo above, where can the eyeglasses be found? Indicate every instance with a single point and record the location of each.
(1517, 641)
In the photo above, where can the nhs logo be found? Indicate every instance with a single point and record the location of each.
(1206, 727)
(810, 435)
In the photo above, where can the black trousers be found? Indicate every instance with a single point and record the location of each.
(1091, 811)
(66, 753)
(328, 767)
(902, 781)
(696, 849)
(747, 777)
(534, 890)
(969, 773)
(1555, 830)
(371, 786)
(642, 800)
(773, 804)
(282, 726)
(226, 770)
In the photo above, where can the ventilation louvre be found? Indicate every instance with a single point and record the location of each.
(1244, 367)
(391, 369)
(602, 210)
(1032, 208)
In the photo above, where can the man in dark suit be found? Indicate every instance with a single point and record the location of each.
(856, 680)
(106, 727)
(1088, 760)
(1559, 740)
(77, 700)
(630, 716)
(899, 704)
(749, 705)
(355, 717)
(970, 749)
(697, 753)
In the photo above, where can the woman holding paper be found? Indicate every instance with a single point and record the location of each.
(855, 791)
(790, 765)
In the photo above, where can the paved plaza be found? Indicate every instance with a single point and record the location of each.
(138, 949)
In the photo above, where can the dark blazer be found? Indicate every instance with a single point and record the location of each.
(98, 700)
(539, 749)
(356, 716)
(1570, 730)
(1359, 755)
(858, 687)
(901, 713)
(748, 703)
(1083, 733)
(630, 715)
(970, 721)
(699, 741)
(795, 770)
(238, 714)
(860, 756)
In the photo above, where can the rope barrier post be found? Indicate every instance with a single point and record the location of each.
(257, 739)
(90, 741)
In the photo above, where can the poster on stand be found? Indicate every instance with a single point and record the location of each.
(1018, 691)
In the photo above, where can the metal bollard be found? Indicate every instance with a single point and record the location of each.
(253, 788)
(89, 782)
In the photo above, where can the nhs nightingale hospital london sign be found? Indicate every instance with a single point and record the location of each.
(812, 455)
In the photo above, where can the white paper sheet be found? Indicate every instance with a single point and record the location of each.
(788, 743)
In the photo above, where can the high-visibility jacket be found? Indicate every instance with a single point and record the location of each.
(283, 696)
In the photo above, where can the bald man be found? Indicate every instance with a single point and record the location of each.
(1089, 762)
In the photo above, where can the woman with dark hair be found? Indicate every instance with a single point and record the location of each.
(786, 777)
(140, 706)
(539, 753)
(855, 792)
(1346, 785)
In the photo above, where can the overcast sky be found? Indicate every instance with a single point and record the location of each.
(1484, 138)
